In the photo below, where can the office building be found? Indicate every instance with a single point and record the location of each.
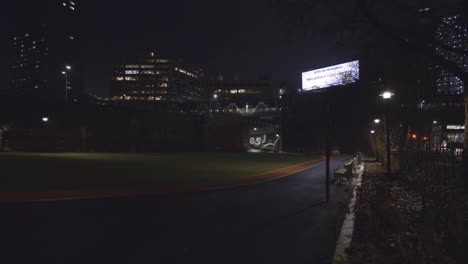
(239, 91)
(154, 78)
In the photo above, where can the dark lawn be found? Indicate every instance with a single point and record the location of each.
(30, 172)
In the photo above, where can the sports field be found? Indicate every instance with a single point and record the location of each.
(44, 172)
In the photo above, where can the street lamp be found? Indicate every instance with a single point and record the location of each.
(65, 72)
(435, 122)
(372, 131)
(387, 95)
(45, 119)
(377, 121)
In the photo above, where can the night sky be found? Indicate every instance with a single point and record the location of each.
(243, 37)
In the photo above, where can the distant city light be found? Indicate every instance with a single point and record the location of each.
(387, 95)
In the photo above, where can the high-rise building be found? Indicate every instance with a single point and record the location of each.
(453, 33)
(154, 78)
(46, 50)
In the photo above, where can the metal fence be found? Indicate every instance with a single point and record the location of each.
(433, 168)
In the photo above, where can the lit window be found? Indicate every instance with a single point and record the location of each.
(132, 72)
(64, 4)
(119, 78)
(147, 66)
(241, 91)
(132, 66)
(72, 3)
(127, 78)
(71, 37)
(162, 60)
(72, 8)
(148, 72)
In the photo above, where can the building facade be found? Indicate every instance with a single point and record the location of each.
(239, 91)
(47, 51)
(154, 78)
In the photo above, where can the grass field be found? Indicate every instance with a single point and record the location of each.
(42, 172)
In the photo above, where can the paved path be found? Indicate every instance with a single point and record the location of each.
(282, 221)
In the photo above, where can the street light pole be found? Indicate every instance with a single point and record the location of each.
(387, 132)
(65, 72)
(66, 86)
(327, 152)
(387, 96)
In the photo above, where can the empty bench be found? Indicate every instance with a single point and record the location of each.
(345, 173)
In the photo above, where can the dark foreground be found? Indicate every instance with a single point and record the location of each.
(283, 221)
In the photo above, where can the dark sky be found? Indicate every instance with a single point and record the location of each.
(243, 37)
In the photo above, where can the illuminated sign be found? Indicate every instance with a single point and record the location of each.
(331, 76)
(455, 127)
(264, 142)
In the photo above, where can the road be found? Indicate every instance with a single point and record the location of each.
(282, 221)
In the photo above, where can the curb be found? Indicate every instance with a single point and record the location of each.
(346, 233)
(120, 193)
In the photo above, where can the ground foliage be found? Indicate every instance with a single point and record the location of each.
(408, 219)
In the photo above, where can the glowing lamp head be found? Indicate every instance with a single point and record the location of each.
(215, 96)
(68, 67)
(377, 121)
(64, 73)
(435, 122)
(387, 95)
(414, 136)
(425, 138)
(45, 119)
(372, 132)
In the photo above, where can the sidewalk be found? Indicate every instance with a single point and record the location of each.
(280, 221)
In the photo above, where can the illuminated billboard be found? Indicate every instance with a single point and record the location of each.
(331, 76)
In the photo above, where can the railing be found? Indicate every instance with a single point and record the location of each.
(432, 168)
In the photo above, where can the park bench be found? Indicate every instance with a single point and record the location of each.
(345, 173)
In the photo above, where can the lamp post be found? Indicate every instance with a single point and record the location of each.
(65, 72)
(387, 95)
